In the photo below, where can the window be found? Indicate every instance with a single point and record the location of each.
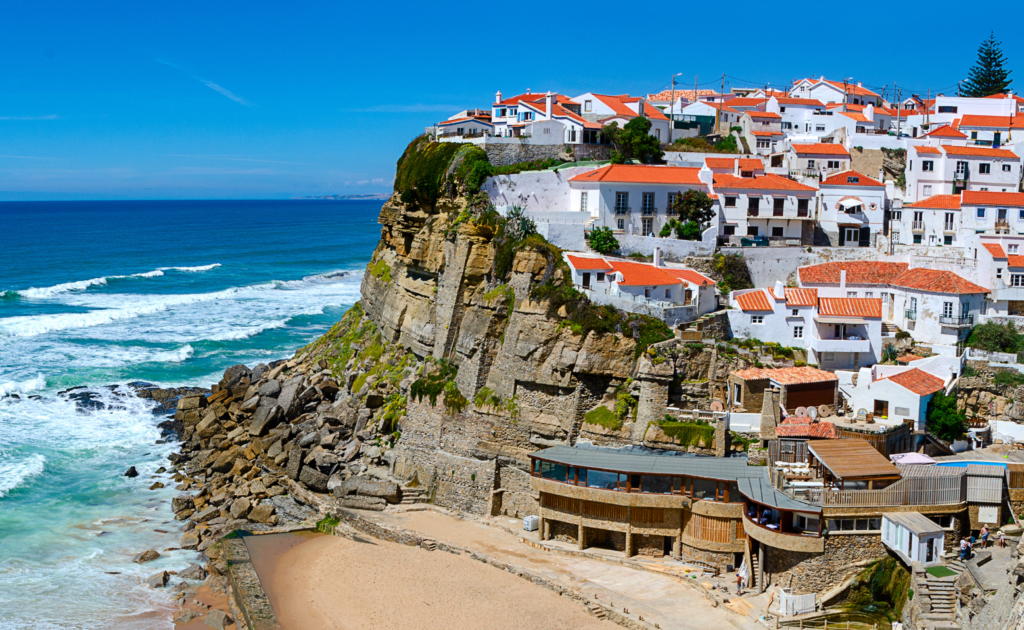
(927, 190)
(622, 203)
(999, 272)
(588, 106)
(897, 215)
(851, 294)
(947, 309)
(751, 230)
(828, 356)
(668, 293)
(657, 134)
(730, 230)
(763, 143)
(974, 135)
(981, 213)
(600, 276)
(779, 206)
(869, 294)
(670, 209)
(1006, 168)
(854, 524)
(757, 319)
(647, 204)
(778, 232)
(984, 168)
(1017, 279)
(583, 202)
(730, 202)
(810, 163)
(947, 225)
(819, 127)
(834, 164)
(547, 130)
(621, 223)
(753, 205)
(928, 165)
(947, 239)
(796, 312)
(801, 207)
(850, 179)
(798, 332)
(917, 239)
(947, 109)
(1013, 249)
(806, 522)
(851, 236)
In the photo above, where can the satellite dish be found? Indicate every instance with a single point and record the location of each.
(716, 405)
(801, 412)
(812, 412)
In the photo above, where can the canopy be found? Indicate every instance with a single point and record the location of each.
(850, 203)
(839, 319)
(907, 459)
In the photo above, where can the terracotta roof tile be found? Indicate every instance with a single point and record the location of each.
(945, 131)
(990, 198)
(820, 148)
(643, 274)
(761, 182)
(746, 164)
(942, 202)
(976, 120)
(928, 150)
(642, 174)
(843, 179)
(857, 272)
(918, 381)
(851, 307)
(1019, 99)
(936, 281)
(757, 114)
(787, 376)
(666, 95)
(786, 100)
(801, 297)
(754, 301)
(816, 430)
(1015, 261)
(690, 276)
(746, 101)
(852, 88)
(979, 152)
(857, 116)
(995, 249)
(586, 263)
(907, 358)
(766, 133)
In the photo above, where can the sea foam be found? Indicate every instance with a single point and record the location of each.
(14, 473)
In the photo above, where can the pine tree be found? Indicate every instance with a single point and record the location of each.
(989, 75)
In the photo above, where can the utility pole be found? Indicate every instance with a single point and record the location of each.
(899, 105)
(721, 102)
(672, 111)
(927, 109)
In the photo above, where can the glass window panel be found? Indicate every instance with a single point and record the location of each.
(862, 523)
(734, 493)
(677, 485)
(704, 489)
(847, 524)
(556, 472)
(602, 479)
(656, 484)
(874, 523)
(833, 525)
(582, 480)
(536, 466)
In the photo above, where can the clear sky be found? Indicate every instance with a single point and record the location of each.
(223, 99)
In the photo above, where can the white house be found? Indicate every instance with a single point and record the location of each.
(813, 162)
(991, 212)
(762, 130)
(620, 109)
(634, 198)
(573, 129)
(466, 124)
(797, 113)
(894, 394)
(934, 306)
(852, 209)
(913, 537)
(993, 130)
(769, 206)
(948, 169)
(827, 91)
(934, 221)
(943, 134)
(727, 116)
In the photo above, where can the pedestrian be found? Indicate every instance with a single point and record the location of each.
(963, 549)
(984, 536)
(1002, 539)
(739, 583)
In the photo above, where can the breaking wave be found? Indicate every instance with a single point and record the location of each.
(13, 474)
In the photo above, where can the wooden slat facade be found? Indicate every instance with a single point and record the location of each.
(1015, 475)
(709, 528)
(908, 491)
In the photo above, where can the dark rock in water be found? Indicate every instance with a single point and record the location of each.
(159, 580)
(167, 398)
(87, 401)
(131, 472)
(234, 375)
(146, 556)
(156, 486)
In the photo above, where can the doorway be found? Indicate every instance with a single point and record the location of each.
(586, 280)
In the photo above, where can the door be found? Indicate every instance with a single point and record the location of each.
(892, 305)
(586, 279)
(881, 408)
(648, 227)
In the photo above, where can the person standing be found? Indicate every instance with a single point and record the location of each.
(984, 536)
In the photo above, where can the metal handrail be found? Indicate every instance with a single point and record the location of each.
(957, 321)
(911, 314)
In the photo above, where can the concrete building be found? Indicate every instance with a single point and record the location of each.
(936, 307)
(620, 109)
(826, 91)
(769, 206)
(810, 163)
(949, 169)
(851, 209)
(762, 131)
(935, 221)
(895, 394)
(914, 538)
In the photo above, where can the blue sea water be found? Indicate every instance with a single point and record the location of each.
(94, 294)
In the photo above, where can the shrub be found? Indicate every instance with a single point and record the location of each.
(634, 141)
(943, 418)
(689, 231)
(689, 433)
(901, 335)
(968, 372)
(732, 268)
(602, 241)
(603, 416)
(993, 337)
(1008, 378)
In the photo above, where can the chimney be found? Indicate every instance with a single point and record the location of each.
(640, 109)
(657, 257)
(780, 291)
(842, 280)
(497, 97)
(527, 90)
(859, 84)
(547, 105)
(769, 415)
(736, 167)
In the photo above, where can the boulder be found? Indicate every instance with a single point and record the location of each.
(131, 472)
(362, 418)
(146, 556)
(270, 389)
(262, 513)
(325, 459)
(188, 403)
(156, 486)
(275, 449)
(209, 426)
(295, 457)
(1012, 530)
(181, 503)
(234, 374)
(335, 480)
(259, 371)
(309, 438)
(218, 619)
(364, 503)
(190, 540)
(193, 572)
(372, 451)
(159, 580)
(351, 451)
(329, 390)
(250, 405)
(185, 616)
(289, 397)
(374, 401)
(226, 460)
(209, 513)
(240, 508)
(265, 419)
(314, 479)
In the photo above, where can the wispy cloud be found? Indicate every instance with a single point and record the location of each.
(407, 109)
(237, 159)
(47, 117)
(210, 84)
(29, 157)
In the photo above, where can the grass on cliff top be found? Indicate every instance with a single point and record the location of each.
(340, 343)
(381, 271)
(689, 433)
(603, 416)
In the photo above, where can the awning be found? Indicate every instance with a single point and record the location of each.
(850, 203)
(839, 319)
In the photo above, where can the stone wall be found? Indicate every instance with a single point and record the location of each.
(516, 499)
(719, 559)
(513, 153)
(563, 532)
(817, 573)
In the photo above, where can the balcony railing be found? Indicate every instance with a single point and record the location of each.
(777, 212)
(906, 491)
(647, 212)
(957, 321)
(948, 227)
(912, 315)
(752, 212)
(622, 211)
(1002, 226)
(961, 176)
(917, 226)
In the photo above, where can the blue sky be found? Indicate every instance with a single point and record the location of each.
(254, 100)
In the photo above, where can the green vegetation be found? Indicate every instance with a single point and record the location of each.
(603, 416)
(694, 205)
(943, 418)
(602, 241)
(422, 171)
(968, 372)
(880, 591)
(700, 145)
(1009, 378)
(940, 571)
(625, 403)
(888, 353)
(327, 524)
(901, 335)
(740, 441)
(633, 142)
(336, 346)
(394, 410)
(696, 434)
(989, 75)
(732, 268)
(487, 399)
(689, 231)
(993, 337)
(381, 271)
(441, 380)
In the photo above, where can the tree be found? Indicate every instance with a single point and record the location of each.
(989, 75)
(633, 142)
(993, 337)
(602, 241)
(694, 205)
(689, 231)
(943, 418)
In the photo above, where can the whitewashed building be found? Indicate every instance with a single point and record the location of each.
(826, 91)
(813, 162)
(935, 221)
(762, 131)
(914, 538)
(620, 109)
(949, 169)
(936, 307)
(768, 206)
(852, 209)
(895, 394)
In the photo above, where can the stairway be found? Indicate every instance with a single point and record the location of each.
(754, 572)
(942, 594)
(889, 329)
(412, 496)
(596, 610)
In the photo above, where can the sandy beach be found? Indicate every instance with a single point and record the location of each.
(328, 582)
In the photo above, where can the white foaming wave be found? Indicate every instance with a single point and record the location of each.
(81, 285)
(198, 269)
(175, 356)
(13, 474)
(23, 387)
(156, 273)
(251, 331)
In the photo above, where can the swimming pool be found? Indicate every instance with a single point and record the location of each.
(964, 463)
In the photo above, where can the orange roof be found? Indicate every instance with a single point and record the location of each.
(1015, 97)
(746, 164)
(643, 274)
(843, 179)
(979, 152)
(801, 297)
(852, 88)
(976, 120)
(820, 148)
(754, 301)
(945, 131)
(990, 198)
(856, 116)
(995, 249)
(918, 381)
(559, 111)
(943, 202)
(850, 307)
(936, 281)
(746, 102)
(763, 182)
(907, 358)
(803, 427)
(787, 376)
(766, 133)
(618, 105)
(929, 150)
(785, 100)
(666, 95)
(763, 115)
(484, 120)
(690, 276)
(533, 97)
(857, 272)
(642, 174)
(1015, 261)
(585, 263)
(722, 106)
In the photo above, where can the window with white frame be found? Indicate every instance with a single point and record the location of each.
(798, 332)
(819, 127)
(1017, 279)
(1013, 249)
(999, 272)
(763, 143)
(981, 213)
(757, 319)
(730, 201)
(796, 312)
(851, 294)
(810, 163)
(622, 203)
(670, 209)
(834, 164)
(947, 309)
(647, 204)
(588, 106)
(869, 294)
(583, 202)
(927, 190)
(927, 165)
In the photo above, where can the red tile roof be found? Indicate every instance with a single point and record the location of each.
(990, 198)
(851, 307)
(907, 358)
(918, 381)
(801, 297)
(762, 182)
(852, 88)
(666, 95)
(533, 97)
(857, 272)
(928, 150)
(942, 202)
(1015, 261)
(787, 376)
(936, 281)
(979, 152)
(756, 114)
(746, 164)
(642, 174)
(843, 179)
(1019, 99)
(766, 133)
(820, 148)
(795, 427)
(643, 274)
(618, 104)
(995, 249)
(786, 100)
(754, 301)
(945, 131)
(690, 276)
(857, 116)
(586, 263)
(484, 120)
(975, 120)
(746, 101)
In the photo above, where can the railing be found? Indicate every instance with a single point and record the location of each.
(647, 212)
(917, 226)
(961, 176)
(957, 321)
(621, 211)
(752, 212)
(1002, 226)
(777, 212)
(907, 491)
(947, 227)
(910, 314)
(784, 451)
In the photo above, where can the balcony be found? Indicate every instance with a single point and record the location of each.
(799, 542)
(647, 212)
(957, 321)
(1010, 294)
(917, 226)
(948, 228)
(910, 314)
(621, 212)
(1002, 226)
(840, 345)
(961, 176)
(752, 212)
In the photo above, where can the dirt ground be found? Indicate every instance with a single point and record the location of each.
(330, 583)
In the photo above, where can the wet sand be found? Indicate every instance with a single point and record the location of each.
(328, 582)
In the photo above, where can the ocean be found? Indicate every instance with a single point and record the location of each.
(100, 294)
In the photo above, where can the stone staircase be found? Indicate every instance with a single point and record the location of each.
(889, 329)
(596, 610)
(941, 592)
(754, 572)
(412, 496)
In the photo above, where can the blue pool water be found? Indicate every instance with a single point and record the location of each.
(965, 463)
(101, 293)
